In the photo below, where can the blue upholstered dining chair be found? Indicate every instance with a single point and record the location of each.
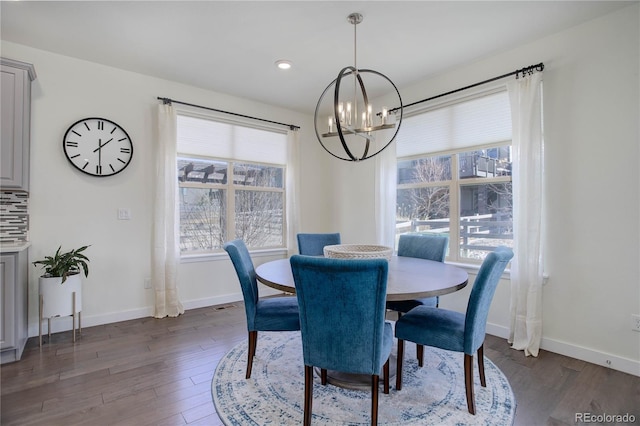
(455, 331)
(342, 309)
(422, 246)
(271, 314)
(313, 244)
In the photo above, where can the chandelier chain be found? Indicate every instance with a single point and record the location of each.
(355, 22)
(355, 45)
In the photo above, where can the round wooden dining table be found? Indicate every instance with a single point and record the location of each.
(409, 277)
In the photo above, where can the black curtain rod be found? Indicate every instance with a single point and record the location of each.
(169, 101)
(525, 71)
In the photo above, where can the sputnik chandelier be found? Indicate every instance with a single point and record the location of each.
(351, 127)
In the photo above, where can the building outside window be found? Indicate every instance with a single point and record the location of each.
(454, 175)
(225, 192)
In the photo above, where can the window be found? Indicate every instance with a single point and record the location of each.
(454, 175)
(231, 182)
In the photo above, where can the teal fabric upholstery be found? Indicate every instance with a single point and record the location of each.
(313, 244)
(422, 246)
(456, 331)
(342, 318)
(272, 314)
(342, 313)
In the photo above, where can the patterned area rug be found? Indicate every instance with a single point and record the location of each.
(433, 394)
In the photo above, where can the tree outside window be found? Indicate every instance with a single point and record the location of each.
(217, 206)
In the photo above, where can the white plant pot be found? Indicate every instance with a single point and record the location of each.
(57, 298)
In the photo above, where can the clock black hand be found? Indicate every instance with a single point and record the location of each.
(101, 145)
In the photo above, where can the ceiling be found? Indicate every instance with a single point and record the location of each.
(231, 46)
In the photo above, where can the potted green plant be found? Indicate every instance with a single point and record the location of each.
(60, 286)
(62, 265)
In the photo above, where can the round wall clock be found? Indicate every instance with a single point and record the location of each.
(97, 147)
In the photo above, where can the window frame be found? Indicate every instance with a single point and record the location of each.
(454, 185)
(231, 187)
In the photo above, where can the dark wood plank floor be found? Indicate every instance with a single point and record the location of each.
(158, 372)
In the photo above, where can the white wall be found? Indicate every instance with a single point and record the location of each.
(71, 209)
(591, 115)
(593, 189)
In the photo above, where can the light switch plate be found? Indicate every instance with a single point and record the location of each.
(124, 214)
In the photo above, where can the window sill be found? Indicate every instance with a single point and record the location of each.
(222, 255)
(472, 268)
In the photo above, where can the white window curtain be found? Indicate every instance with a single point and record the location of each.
(385, 199)
(166, 250)
(526, 267)
(292, 190)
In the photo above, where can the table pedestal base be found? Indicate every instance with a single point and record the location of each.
(357, 381)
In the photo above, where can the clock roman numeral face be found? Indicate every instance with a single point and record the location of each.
(98, 147)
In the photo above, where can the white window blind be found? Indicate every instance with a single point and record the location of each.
(208, 138)
(479, 121)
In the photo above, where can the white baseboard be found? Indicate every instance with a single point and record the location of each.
(66, 323)
(604, 359)
(212, 301)
(585, 354)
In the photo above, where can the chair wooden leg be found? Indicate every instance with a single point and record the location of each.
(253, 340)
(399, 364)
(468, 382)
(375, 382)
(323, 376)
(483, 380)
(420, 355)
(308, 394)
(385, 372)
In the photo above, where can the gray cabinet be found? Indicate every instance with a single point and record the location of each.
(15, 117)
(13, 304)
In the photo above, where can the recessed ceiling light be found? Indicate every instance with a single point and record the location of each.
(283, 64)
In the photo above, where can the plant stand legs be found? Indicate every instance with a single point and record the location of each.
(73, 304)
(40, 319)
(79, 315)
(74, 315)
(40, 310)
